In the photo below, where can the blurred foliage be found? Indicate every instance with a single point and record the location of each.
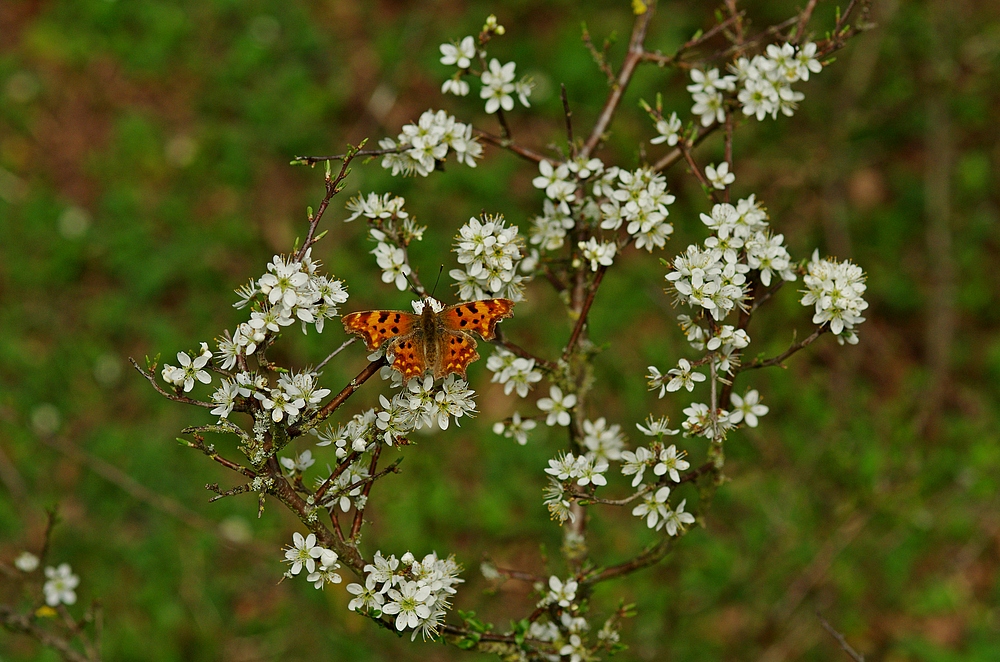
(143, 176)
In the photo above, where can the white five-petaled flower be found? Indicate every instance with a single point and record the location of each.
(326, 572)
(459, 54)
(675, 520)
(59, 586)
(366, 597)
(719, 176)
(561, 593)
(747, 408)
(26, 562)
(225, 398)
(602, 254)
(303, 552)
(557, 406)
(636, 463)
(517, 429)
(409, 603)
(654, 507)
(300, 463)
(683, 377)
(669, 130)
(498, 85)
(671, 461)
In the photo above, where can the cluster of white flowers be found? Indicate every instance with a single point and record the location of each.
(189, 371)
(658, 513)
(498, 85)
(598, 254)
(557, 406)
(392, 228)
(713, 276)
(516, 429)
(836, 290)
(514, 372)
(701, 422)
(767, 80)
(603, 441)
(290, 290)
(490, 252)
(436, 405)
(294, 394)
(299, 463)
(352, 436)
(319, 562)
(548, 231)
(639, 199)
(422, 145)
(663, 460)
(583, 469)
(568, 637)
(707, 92)
(418, 593)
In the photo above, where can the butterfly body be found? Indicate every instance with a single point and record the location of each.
(440, 342)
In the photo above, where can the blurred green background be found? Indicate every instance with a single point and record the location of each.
(143, 176)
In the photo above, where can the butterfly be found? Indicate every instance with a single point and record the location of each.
(439, 339)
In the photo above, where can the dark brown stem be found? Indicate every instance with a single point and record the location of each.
(508, 144)
(677, 153)
(151, 378)
(505, 133)
(804, 17)
(334, 353)
(337, 400)
(544, 364)
(581, 321)
(777, 360)
(334, 475)
(360, 512)
(569, 118)
(666, 60)
(846, 647)
(686, 151)
(313, 160)
(333, 187)
(634, 56)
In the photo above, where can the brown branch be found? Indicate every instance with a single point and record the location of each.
(360, 512)
(337, 400)
(346, 462)
(804, 17)
(22, 624)
(600, 58)
(313, 160)
(151, 378)
(777, 360)
(856, 656)
(582, 319)
(677, 154)
(508, 144)
(569, 118)
(333, 187)
(634, 56)
(544, 364)
(667, 60)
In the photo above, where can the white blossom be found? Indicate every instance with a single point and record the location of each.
(497, 86)
(303, 552)
(557, 406)
(671, 461)
(669, 130)
(835, 291)
(517, 429)
(26, 562)
(719, 176)
(560, 592)
(459, 54)
(653, 507)
(747, 408)
(597, 253)
(59, 585)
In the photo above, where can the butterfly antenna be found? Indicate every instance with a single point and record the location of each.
(437, 280)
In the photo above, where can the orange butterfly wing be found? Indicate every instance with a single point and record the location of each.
(410, 359)
(456, 350)
(478, 316)
(377, 326)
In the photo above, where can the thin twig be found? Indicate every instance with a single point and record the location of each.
(337, 400)
(666, 60)
(777, 360)
(151, 378)
(360, 512)
(544, 364)
(569, 118)
(676, 154)
(804, 17)
(634, 56)
(506, 143)
(334, 353)
(856, 656)
(582, 319)
(333, 187)
(313, 160)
